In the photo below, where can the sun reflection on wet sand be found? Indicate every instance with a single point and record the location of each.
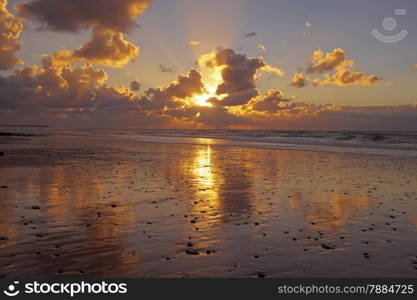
(138, 209)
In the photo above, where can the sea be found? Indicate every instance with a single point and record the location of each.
(369, 142)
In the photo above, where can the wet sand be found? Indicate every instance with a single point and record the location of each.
(92, 207)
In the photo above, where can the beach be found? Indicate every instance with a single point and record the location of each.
(100, 206)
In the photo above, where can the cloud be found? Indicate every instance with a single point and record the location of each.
(308, 27)
(340, 67)
(299, 80)
(270, 103)
(239, 74)
(107, 19)
(175, 94)
(104, 48)
(167, 69)
(322, 63)
(62, 87)
(135, 85)
(345, 77)
(250, 34)
(77, 15)
(194, 43)
(10, 29)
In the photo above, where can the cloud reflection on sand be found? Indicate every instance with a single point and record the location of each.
(133, 209)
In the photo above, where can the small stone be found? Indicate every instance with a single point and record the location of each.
(1, 153)
(3, 238)
(327, 247)
(256, 224)
(36, 207)
(189, 244)
(4, 187)
(113, 205)
(208, 252)
(192, 252)
(261, 275)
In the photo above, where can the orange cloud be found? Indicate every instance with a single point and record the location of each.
(270, 103)
(104, 48)
(344, 77)
(10, 29)
(321, 63)
(175, 94)
(299, 80)
(61, 86)
(194, 43)
(239, 74)
(335, 62)
(108, 20)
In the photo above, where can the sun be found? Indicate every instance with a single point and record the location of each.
(202, 99)
(212, 79)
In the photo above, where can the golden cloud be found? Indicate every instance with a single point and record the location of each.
(336, 62)
(175, 94)
(321, 63)
(61, 86)
(10, 29)
(194, 43)
(108, 20)
(345, 77)
(239, 74)
(299, 80)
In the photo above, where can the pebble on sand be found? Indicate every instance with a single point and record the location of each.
(4, 187)
(36, 207)
(328, 247)
(192, 252)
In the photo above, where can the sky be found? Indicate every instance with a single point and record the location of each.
(208, 64)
